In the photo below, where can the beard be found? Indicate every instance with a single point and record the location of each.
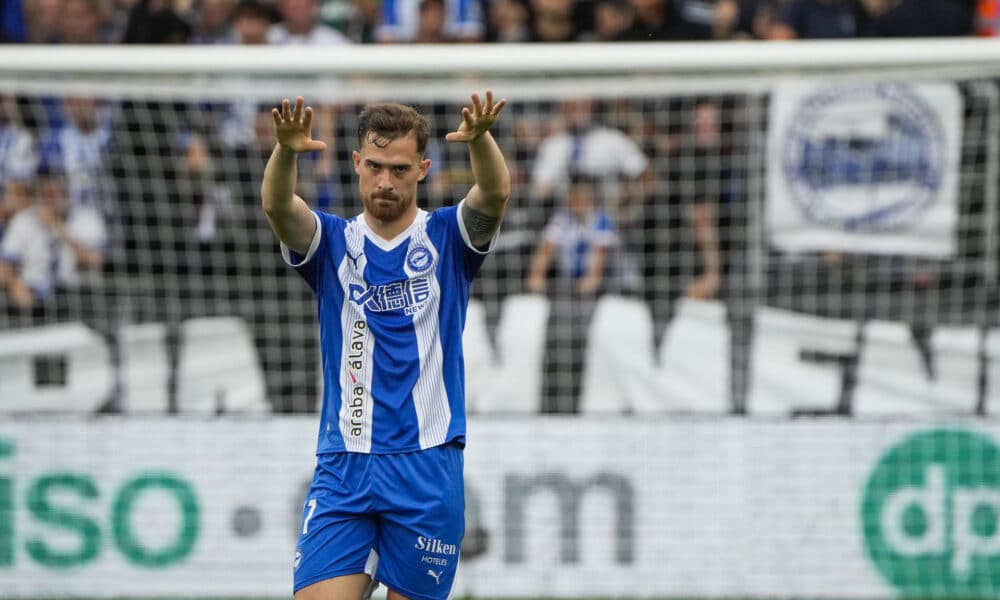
(387, 207)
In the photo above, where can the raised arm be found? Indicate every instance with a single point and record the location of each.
(487, 200)
(289, 215)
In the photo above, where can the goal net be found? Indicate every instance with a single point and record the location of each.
(731, 232)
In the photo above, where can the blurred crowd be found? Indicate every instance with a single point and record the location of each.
(502, 21)
(148, 210)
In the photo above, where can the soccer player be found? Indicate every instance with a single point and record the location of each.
(387, 499)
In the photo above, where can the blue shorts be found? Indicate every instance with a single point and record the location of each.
(397, 517)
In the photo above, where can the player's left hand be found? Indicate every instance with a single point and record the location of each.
(477, 120)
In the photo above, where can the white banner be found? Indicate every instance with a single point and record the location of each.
(557, 507)
(864, 167)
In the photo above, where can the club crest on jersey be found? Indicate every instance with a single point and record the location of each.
(419, 259)
(408, 296)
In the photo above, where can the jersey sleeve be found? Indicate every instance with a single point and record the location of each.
(310, 265)
(469, 257)
(466, 239)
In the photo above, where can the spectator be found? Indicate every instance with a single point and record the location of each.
(84, 22)
(156, 22)
(401, 20)
(300, 25)
(198, 181)
(988, 18)
(646, 20)
(820, 19)
(688, 236)
(44, 21)
(214, 23)
(431, 24)
(369, 17)
(233, 121)
(652, 20)
(756, 19)
(18, 151)
(79, 149)
(580, 241)
(13, 26)
(287, 378)
(920, 18)
(47, 245)
(554, 21)
(251, 22)
(581, 144)
(705, 191)
(703, 19)
(345, 16)
(614, 21)
(510, 21)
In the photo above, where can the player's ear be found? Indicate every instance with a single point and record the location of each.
(357, 161)
(425, 166)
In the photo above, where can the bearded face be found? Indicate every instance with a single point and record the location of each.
(388, 174)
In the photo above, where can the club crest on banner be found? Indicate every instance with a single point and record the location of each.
(864, 167)
(865, 158)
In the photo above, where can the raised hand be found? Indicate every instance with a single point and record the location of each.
(477, 120)
(293, 129)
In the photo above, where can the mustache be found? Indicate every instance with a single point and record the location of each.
(385, 196)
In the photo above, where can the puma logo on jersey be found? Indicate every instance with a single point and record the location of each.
(436, 576)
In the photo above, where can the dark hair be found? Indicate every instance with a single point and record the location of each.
(577, 177)
(253, 9)
(383, 123)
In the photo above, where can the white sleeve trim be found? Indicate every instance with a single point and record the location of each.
(465, 233)
(313, 245)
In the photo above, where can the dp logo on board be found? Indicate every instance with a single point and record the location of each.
(931, 515)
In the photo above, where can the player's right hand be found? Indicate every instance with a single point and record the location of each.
(293, 129)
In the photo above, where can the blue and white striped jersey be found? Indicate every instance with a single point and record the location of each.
(391, 315)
